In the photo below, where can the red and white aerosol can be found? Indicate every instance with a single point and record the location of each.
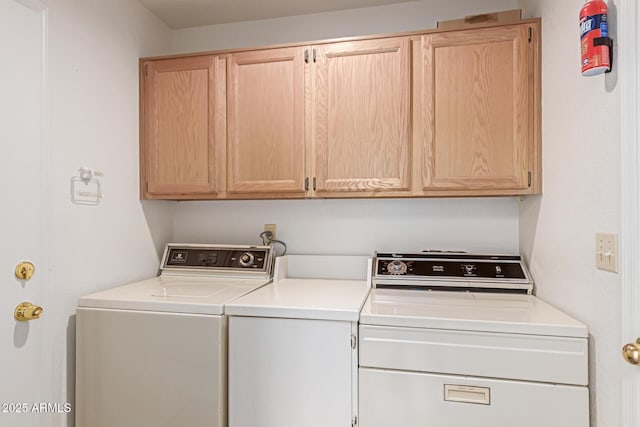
(593, 28)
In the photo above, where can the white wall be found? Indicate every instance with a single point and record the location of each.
(94, 50)
(356, 227)
(581, 196)
(415, 15)
(348, 226)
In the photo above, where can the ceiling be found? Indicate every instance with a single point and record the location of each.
(192, 13)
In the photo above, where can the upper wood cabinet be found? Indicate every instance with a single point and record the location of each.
(266, 100)
(183, 127)
(453, 112)
(361, 109)
(479, 110)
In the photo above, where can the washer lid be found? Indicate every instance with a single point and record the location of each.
(175, 294)
(470, 311)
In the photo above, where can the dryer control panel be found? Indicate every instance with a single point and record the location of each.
(451, 271)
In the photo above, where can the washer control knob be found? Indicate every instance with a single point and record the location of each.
(246, 259)
(397, 267)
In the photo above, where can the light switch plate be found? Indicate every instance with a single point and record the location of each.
(607, 251)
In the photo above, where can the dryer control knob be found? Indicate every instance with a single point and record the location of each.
(246, 259)
(397, 267)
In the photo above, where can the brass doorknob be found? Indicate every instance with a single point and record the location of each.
(27, 311)
(631, 352)
(25, 270)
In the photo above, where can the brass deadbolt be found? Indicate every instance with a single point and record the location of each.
(27, 311)
(631, 352)
(25, 270)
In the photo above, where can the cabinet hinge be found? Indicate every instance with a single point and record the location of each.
(530, 34)
(146, 70)
(314, 55)
(306, 184)
(314, 183)
(354, 421)
(306, 56)
(354, 341)
(529, 179)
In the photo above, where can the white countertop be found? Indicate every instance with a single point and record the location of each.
(324, 299)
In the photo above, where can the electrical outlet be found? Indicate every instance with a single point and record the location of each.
(272, 229)
(607, 251)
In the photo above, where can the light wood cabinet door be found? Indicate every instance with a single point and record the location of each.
(266, 137)
(478, 113)
(183, 126)
(361, 136)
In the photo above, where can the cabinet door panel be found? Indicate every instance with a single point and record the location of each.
(289, 372)
(362, 108)
(477, 109)
(181, 133)
(266, 121)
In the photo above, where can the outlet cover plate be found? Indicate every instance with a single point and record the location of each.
(272, 229)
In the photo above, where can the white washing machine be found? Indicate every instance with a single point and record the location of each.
(454, 340)
(154, 353)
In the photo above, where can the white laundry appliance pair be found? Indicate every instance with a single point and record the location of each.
(411, 339)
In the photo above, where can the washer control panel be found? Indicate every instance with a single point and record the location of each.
(217, 258)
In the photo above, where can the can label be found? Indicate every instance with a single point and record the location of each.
(593, 24)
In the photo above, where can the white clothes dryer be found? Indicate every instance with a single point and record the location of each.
(153, 353)
(451, 339)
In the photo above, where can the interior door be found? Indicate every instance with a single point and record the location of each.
(25, 374)
(628, 15)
